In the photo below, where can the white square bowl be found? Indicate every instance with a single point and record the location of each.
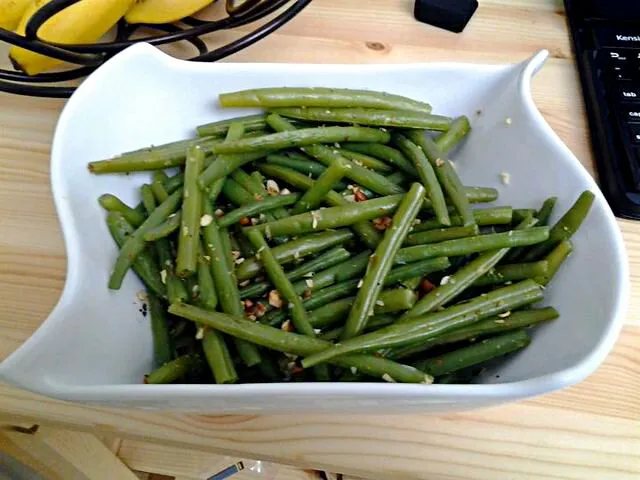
(96, 346)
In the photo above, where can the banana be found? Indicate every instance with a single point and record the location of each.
(11, 11)
(84, 22)
(163, 11)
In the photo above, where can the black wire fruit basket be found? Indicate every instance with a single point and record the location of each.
(88, 57)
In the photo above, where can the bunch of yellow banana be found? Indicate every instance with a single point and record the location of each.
(85, 22)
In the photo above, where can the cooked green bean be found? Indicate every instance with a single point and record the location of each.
(235, 193)
(279, 279)
(157, 185)
(336, 274)
(389, 301)
(189, 233)
(331, 257)
(148, 198)
(482, 216)
(224, 165)
(488, 327)
(173, 183)
(479, 243)
(151, 158)
(220, 128)
(375, 323)
(225, 282)
(257, 207)
(174, 370)
(135, 243)
(258, 191)
(367, 116)
(480, 352)
(564, 228)
(314, 196)
(218, 357)
(111, 203)
(165, 229)
(385, 153)
(365, 160)
(457, 131)
(441, 234)
(365, 230)
(513, 272)
(427, 175)
(554, 259)
(520, 214)
(300, 138)
(320, 97)
(305, 166)
(207, 296)
(333, 217)
(292, 343)
(327, 156)
(546, 210)
(480, 194)
(162, 349)
(446, 174)
(295, 249)
(382, 260)
(424, 327)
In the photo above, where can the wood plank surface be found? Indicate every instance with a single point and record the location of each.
(589, 431)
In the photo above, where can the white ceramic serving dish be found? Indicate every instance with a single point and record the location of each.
(96, 345)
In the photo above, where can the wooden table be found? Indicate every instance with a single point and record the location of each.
(590, 431)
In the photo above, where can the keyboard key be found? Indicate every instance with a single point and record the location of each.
(629, 92)
(631, 115)
(617, 37)
(634, 132)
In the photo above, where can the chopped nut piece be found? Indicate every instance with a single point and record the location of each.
(219, 213)
(287, 326)
(274, 299)
(272, 187)
(381, 224)
(387, 378)
(205, 220)
(244, 221)
(505, 178)
(285, 191)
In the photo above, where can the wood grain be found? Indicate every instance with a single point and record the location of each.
(590, 431)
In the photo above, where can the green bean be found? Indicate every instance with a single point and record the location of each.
(225, 282)
(382, 260)
(320, 97)
(292, 343)
(213, 191)
(208, 298)
(165, 229)
(366, 178)
(476, 244)
(480, 194)
(333, 217)
(367, 116)
(220, 128)
(224, 165)
(314, 196)
(441, 234)
(365, 230)
(280, 281)
(385, 153)
(157, 185)
(424, 327)
(300, 138)
(173, 183)
(325, 260)
(257, 207)
(218, 357)
(148, 198)
(390, 301)
(519, 214)
(480, 352)
(151, 158)
(189, 233)
(305, 166)
(513, 272)
(352, 268)
(457, 131)
(111, 203)
(427, 175)
(554, 260)
(236, 193)
(174, 370)
(256, 189)
(482, 216)
(546, 210)
(135, 243)
(488, 327)
(375, 323)
(295, 249)
(366, 161)
(564, 228)
(447, 176)
(162, 349)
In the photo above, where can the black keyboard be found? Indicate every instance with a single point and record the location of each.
(606, 37)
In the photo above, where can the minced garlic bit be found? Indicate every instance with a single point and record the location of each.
(354, 370)
(200, 333)
(445, 280)
(380, 303)
(285, 191)
(387, 378)
(499, 321)
(240, 260)
(253, 221)
(508, 121)
(317, 331)
(505, 314)
(439, 162)
(274, 299)
(272, 187)
(287, 326)
(235, 254)
(163, 276)
(205, 220)
(309, 274)
(309, 282)
(195, 289)
(219, 212)
(142, 296)
(245, 283)
(428, 380)
(505, 178)
(360, 283)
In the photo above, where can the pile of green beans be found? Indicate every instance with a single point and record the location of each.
(330, 238)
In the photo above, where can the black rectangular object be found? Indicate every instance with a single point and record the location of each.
(452, 15)
(606, 41)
